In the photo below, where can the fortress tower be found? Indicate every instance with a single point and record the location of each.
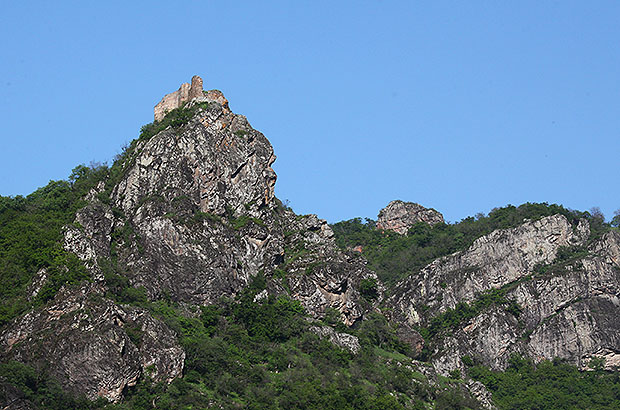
(176, 99)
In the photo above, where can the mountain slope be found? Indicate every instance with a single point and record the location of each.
(175, 278)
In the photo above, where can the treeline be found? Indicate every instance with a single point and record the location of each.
(393, 257)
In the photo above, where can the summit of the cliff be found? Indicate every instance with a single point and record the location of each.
(187, 92)
(399, 216)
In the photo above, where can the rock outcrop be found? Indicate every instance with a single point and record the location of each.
(399, 216)
(92, 345)
(568, 312)
(198, 206)
(343, 340)
(190, 218)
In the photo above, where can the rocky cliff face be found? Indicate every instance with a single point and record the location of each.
(94, 346)
(566, 311)
(399, 216)
(203, 220)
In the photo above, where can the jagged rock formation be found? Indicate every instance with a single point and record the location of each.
(399, 216)
(570, 313)
(94, 346)
(189, 215)
(201, 201)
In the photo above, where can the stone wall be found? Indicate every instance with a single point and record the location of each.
(174, 100)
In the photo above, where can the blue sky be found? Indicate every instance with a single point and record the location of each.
(459, 106)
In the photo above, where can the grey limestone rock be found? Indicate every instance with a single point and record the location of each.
(570, 313)
(491, 262)
(197, 206)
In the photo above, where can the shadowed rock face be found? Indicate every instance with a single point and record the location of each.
(399, 216)
(82, 339)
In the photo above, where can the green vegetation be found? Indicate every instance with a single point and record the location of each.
(261, 354)
(451, 318)
(395, 256)
(252, 354)
(368, 289)
(175, 119)
(39, 389)
(549, 385)
(30, 239)
(566, 255)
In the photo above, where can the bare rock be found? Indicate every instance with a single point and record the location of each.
(399, 216)
(194, 217)
(97, 347)
(491, 262)
(570, 313)
(343, 340)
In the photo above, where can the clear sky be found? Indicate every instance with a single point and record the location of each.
(460, 106)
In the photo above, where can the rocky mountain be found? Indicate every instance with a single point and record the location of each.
(180, 256)
(191, 217)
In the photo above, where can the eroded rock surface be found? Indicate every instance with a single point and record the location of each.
(342, 340)
(399, 216)
(92, 345)
(569, 312)
(491, 262)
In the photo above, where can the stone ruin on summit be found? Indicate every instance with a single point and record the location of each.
(186, 93)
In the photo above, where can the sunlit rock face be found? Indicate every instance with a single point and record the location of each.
(570, 313)
(399, 216)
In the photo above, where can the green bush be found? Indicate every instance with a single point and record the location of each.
(368, 288)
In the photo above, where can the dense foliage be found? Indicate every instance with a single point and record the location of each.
(252, 354)
(395, 256)
(550, 386)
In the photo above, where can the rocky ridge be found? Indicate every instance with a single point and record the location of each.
(567, 312)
